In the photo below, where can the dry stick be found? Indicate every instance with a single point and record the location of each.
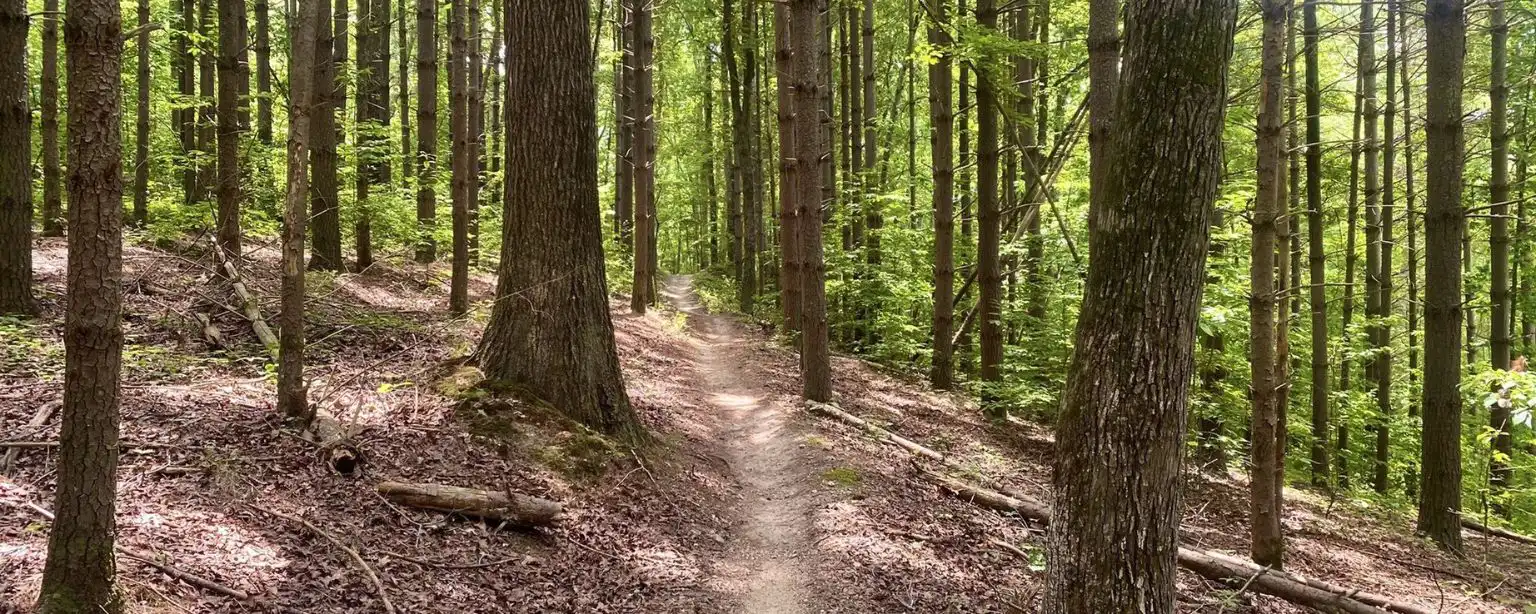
(1212, 565)
(356, 558)
(1474, 525)
(44, 413)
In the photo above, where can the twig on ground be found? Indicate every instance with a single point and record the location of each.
(435, 565)
(373, 577)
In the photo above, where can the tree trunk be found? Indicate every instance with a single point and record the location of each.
(292, 395)
(458, 131)
(1440, 500)
(426, 130)
(1103, 83)
(624, 160)
(711, 185)
(408, 154)
(141, 121)
(556, 339)
(806, 37)
(645, 155)
(942, 119)
(373, 112)
(1372, 156)
(53, 209)
(78, 576)
(1500, 471)
(330, 54)
(231, 47)
(1411, 480)
(1114, 532)
(737, 187)
(1316, 257)
(1382, 365)
(263, 45)
(1267, 541)
(15, 162)
(789, 233)
(873, 219)
(990, 227)
(206, 114)
(474, 107)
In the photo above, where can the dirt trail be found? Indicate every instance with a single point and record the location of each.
(766, 563)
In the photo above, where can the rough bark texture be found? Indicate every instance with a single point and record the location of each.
(1316, 256)
(403, 76)
(78, 576)
(811, 151)
(550, 332)
(53, 208)
(458, 133)
(1267, 543)
(426, 130)
(292, 395)
(644, 144)
(15, 162)
(989, 218)
(1500, 473)
(942, 117)
(1114, 532)
(330, 52)
(231, 47)
(1103, 82)
(1440, 497)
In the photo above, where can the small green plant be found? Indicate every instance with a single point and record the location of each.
(847, 477)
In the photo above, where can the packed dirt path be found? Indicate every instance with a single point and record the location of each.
(766, 552)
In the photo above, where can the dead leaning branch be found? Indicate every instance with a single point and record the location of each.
(1217, 567)
(249, 306)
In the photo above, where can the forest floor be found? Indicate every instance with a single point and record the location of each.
(744, 503)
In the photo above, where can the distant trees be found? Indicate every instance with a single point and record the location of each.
(550, 332)
(1120, 441)
(15, 162)
(78, 576)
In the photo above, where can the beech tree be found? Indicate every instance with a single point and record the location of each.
(550, 331)
(1115, 525)
(78, 576)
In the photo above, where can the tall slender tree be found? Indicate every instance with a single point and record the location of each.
(645, 153)
(263, 47)
(292, 395)
(1371, 148)
(942, 119)
(1316, 257)
(408, 153)
(458, 131)
(328, 95)
(373, 111)
(1103, 83)
(1500, 471)
(53, 209)
(1115, 523)
(207, 119)
(231, 49)
(989, 225)
(15, 162)
(78, 575)
(624, 94)
(426, 130)
(1440, 496)
(1385, 272)
(811, 151)
(141, 120)
(789, 228)
(555, 340)
(1267, 542)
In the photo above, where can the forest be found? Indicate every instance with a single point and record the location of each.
(767, 306)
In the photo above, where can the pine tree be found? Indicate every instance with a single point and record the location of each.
(15, 163)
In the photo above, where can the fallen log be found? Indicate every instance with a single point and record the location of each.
(249, 306)
(1214, 566)
(210, 332)
(41, 417)
(512, 508)
(335, 442)
(1473, 525)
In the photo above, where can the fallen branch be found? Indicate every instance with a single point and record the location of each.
(512, 508)
(426, 563)
(335, 442)
(1474, 525)
(41, 417)
(250, 307)
(1214, 566)
(378, 586)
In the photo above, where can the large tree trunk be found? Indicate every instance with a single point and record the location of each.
(53, 209)
(458, 131)
(141, 121)
(555, 340)
(1316, 256)
(1440, 498)
(183, 118)
(78, 576)
(736, 185)
(1267, 542)
(426, 130)
(1372, 156)
(942, 119)
(231, 48)
(789, 227)
(263, 47)
(1114, 531)
(292, 395)
(330, 55)
(811, 151)
(644, 144)
(1500, 472)
(15, 162)
(990, 226)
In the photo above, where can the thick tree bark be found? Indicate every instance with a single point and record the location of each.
(1265, 506)
(141, 121)
(292, 394)
(963, 118)
(426, 127)
(645, 160)
(789, 227)
(458, 131)
(1316, 256)
(78, 576)
(990, 228)
(263, 47)
(1440, 498)
(736, 184)
(330, 57)
(231, 48)
(53, 209)
(942, 119)
(810, 152)
(555, 340)
(1500, 471)
(1114, 531)
(15, 162)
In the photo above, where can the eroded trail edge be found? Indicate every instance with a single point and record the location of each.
(766, 561)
